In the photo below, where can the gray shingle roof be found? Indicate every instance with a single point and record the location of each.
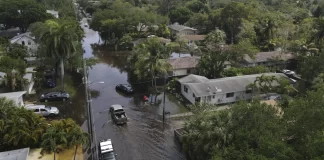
(222, 85)
(184, 62)
(16, 38)
(178, 27)
(268, 56)
(191, 78)
(18, 154)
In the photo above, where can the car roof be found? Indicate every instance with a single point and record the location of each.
(117, 106)
(106, 146)
(35, 106)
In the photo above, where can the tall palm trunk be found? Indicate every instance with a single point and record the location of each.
(76, 148)
(62, 72)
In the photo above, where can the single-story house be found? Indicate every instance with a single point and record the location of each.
(26, 39)
(54, 13)
(192, 40)
(269, 59)
(199, 89)
(183, 66)
(18, 154)
(178, 30)
(17, 97)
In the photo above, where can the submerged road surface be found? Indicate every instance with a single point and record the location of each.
(144, 137)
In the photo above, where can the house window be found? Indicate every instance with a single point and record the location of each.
(185, 89)
(23, 43)
(213, 96)
(29, 42)
(248, 91)
(228, 95)
(188, 71)
(193, 95)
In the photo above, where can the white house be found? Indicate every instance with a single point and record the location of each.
(198, 89)
(178, 30)
(17, 154)
(183, 65)
(54, 13)
(17, 97)
(27, 40)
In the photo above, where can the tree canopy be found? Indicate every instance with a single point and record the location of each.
(21, 13)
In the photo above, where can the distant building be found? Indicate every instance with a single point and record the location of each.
(178, 30)
(193, 40)
(199, 89)
(18, 154)
(54, 13)
(183, 66)
(26, 39)
(268, 59)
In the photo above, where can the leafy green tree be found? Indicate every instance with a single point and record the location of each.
(17, 51)
(212, 62)
(60, 40)
(15, 70)
(265, 83)
(302, 114)
(200, 21)
(251, 131)
(231, 17)
(77, 137)
(53, 141)
(180, 15)
(196, 6)
(21, 13)
(18, 126)
(149, 60)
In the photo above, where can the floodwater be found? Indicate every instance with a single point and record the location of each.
(144, 137)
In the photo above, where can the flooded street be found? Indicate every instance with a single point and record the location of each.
(144, 137)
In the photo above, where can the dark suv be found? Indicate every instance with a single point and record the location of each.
(125, 88)
(54, 96)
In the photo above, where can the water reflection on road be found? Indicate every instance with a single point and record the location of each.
(143, 138)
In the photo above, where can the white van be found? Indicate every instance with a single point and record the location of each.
(43, 110)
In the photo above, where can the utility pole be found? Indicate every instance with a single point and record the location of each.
(88, 107)
(164, 88)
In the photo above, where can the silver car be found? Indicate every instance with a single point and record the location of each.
(43, 110)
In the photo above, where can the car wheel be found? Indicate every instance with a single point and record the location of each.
(51, 115)
(46, 100)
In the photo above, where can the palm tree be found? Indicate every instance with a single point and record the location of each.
(151, 60)
(53, 141)
(18, 126)
(77, 137)
(60, 41)
(264, 83)
(15, 70)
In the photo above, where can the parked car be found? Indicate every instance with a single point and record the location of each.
(125, 88)
(106, 150)
(43, 110)
(288, 72)
(54, 96)
(49, 73)
(50, 83)
(118, 114)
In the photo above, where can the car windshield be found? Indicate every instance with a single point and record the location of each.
(108, 156)
(119, 110)
(48, 107)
